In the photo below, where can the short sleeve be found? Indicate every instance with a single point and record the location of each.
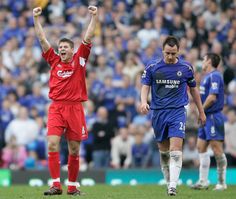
(50, 56)
(146, 78)
(190, 79)
(214, 84)
(83, 53)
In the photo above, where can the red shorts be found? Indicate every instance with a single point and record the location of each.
(68, 118)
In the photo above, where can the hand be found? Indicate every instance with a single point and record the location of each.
(37, 11)
(144, 108)
(202, 118)
(93, 10)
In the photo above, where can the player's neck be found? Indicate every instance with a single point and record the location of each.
(176, 61)
(211, 69)
(67, 60)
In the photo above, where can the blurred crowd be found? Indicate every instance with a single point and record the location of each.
(129, 34)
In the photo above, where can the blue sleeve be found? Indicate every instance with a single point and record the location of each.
(214, 84)
(191, 80)
(147, 76)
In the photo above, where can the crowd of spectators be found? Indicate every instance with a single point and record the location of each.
(129, 34)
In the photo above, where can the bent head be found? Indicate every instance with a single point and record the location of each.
(170, 50)
(66, 49)
(210, 60)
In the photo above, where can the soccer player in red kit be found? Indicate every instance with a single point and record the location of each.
(67, 92)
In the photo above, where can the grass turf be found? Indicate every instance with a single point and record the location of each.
(119, 192)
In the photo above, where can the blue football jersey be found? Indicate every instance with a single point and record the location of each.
(168, 83)
(213, 83)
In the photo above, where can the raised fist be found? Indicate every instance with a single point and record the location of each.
(37, 11)
(92, 10)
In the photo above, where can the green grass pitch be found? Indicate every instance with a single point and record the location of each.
(119, 192)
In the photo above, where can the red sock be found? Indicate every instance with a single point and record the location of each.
(73, 170)
(54, 167)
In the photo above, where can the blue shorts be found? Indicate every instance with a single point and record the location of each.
(169, 123)
(214, 127)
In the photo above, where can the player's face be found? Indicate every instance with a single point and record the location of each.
(65, 51)
(170, 54)
(205, 63)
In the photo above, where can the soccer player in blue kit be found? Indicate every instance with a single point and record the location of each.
(212, 95)
(168, 78)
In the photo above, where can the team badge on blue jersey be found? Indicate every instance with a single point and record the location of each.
(179, 73)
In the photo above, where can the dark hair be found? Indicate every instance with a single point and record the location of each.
(69, 41)
(215, 59)
(171, 41)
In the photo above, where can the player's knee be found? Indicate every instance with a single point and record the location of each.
(74, 150)
(53, 146)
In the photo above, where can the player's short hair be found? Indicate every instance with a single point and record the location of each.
(171, 41)
(69, 41)
(215, 59)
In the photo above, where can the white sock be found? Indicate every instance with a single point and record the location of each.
(221, 162)
(164, 161)
(205, 162)
(175, 167)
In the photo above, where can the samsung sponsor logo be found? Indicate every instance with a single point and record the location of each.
(167, 81)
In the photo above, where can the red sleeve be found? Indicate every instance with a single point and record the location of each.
(50, 56)
(83, 51)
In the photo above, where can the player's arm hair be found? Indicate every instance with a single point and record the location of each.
(144, 93)
(197, 99)
(91, 29)
(210, 100)
(41, 35)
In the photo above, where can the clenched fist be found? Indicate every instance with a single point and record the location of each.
(92, 10)
(37, 11)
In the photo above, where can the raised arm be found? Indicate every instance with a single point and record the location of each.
(39, 30)
(92, 25)
(196, 97)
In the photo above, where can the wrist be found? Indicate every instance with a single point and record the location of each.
(95, 17)
(36, 19)
(201, 111)
(87, 41)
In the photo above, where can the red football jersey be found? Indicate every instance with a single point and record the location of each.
(67, 80)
